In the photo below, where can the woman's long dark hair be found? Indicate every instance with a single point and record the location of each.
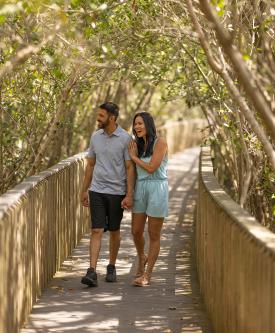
(151, 134)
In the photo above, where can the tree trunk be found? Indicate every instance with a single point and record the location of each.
(54, 127)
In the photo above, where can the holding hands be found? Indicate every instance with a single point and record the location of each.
(127, 202)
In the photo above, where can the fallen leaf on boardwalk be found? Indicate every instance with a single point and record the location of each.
(172, 308)
(58, 288)
(168, 331)
(71, 289)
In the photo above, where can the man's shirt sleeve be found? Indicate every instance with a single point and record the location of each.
(91, 151)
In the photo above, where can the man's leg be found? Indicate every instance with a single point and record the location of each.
(95, 245)
(98, 217)
(114, 246)
(115, 214)
(114, 243)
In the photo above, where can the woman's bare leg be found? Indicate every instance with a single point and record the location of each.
(154, 229)
(138, 224)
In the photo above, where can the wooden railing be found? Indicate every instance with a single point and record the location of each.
(235, 260)
(41, 221)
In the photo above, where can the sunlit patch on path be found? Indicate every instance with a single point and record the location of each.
(172, 303)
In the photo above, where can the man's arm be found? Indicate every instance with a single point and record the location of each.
(84, 197)
(127, 202)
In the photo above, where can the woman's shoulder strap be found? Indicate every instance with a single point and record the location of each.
(155, 141)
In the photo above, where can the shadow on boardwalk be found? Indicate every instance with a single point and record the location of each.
(172, 303)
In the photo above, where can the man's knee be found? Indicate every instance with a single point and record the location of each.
(115, 234)
(97, 233)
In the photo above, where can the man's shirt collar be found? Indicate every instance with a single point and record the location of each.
(116, 132)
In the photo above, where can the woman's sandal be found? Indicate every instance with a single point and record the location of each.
(142, 281)
(141, 267)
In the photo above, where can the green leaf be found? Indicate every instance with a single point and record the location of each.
(57, 73)
(2, 19)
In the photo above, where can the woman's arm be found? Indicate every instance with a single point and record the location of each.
(159, 152)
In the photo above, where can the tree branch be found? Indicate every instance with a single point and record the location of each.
(243, 73)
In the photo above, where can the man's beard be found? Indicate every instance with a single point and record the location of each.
(103, 125)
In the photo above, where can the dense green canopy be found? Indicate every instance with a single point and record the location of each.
(177, 59)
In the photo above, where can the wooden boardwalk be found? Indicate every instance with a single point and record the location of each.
(171, 304)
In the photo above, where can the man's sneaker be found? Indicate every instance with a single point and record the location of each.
(111, 273)
(90, 278)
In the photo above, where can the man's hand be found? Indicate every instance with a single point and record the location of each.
(84, 198)
(127, 202)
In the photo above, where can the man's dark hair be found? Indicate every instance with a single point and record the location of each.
(110, 108)
(151, 134)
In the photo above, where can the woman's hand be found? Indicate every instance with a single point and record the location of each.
(132, 148)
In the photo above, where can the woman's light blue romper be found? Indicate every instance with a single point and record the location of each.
(151, 190)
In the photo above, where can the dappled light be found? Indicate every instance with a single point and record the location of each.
(205, 72)
(170, 304)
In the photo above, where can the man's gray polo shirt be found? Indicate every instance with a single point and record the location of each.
(109, 175)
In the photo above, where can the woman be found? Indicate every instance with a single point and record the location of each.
(149, 153)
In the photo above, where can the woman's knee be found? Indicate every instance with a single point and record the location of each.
(137, 232)
(154, 236)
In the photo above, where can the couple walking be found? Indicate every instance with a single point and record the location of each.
(122, 173)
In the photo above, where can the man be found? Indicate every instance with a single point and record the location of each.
(107, 187)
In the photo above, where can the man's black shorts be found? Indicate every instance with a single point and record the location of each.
(105, 208)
